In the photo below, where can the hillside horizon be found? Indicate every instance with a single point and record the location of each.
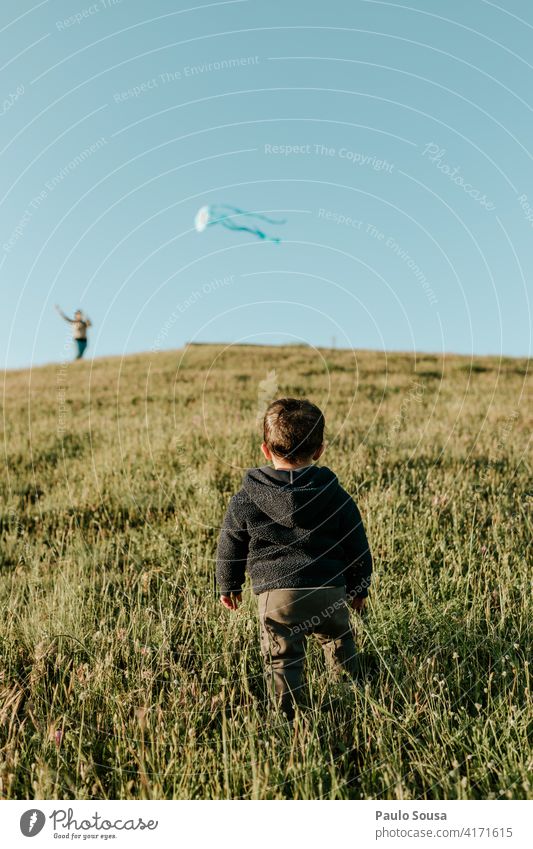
(226, 346)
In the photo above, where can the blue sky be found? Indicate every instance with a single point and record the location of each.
(394, 139)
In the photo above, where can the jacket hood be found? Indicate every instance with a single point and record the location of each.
(291, 497)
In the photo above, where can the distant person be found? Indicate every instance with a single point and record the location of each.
(300, 537)
(79, 331)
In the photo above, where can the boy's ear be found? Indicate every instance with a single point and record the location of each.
(266, 451)
(318, 453)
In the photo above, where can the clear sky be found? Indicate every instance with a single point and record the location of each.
(394, 139)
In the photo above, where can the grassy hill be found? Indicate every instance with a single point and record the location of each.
(120, 674)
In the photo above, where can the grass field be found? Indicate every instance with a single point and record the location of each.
(121, 675)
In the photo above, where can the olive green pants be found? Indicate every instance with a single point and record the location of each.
(287, 617)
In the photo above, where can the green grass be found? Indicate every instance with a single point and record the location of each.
(122, 677)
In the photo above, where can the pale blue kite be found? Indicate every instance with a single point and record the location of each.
(226, 215)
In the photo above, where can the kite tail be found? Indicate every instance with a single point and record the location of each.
(255, 231)
(260, 215)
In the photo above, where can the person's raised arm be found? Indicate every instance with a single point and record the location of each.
(62, 314)
(232, 554)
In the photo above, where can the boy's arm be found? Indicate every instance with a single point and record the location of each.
(232, 551)
(355, 544)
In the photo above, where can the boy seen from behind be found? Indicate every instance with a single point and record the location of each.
(299, 536)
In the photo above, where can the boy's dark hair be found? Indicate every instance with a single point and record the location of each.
(293, 428)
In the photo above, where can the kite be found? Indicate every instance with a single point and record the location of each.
(226, 215)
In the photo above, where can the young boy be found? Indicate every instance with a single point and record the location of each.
(300, 537)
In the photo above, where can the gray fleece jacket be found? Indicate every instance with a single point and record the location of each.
(291, 529)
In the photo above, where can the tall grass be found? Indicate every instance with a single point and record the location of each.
(122, 677)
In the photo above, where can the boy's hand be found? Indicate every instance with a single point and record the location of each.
(358, 604)
(231, 601)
